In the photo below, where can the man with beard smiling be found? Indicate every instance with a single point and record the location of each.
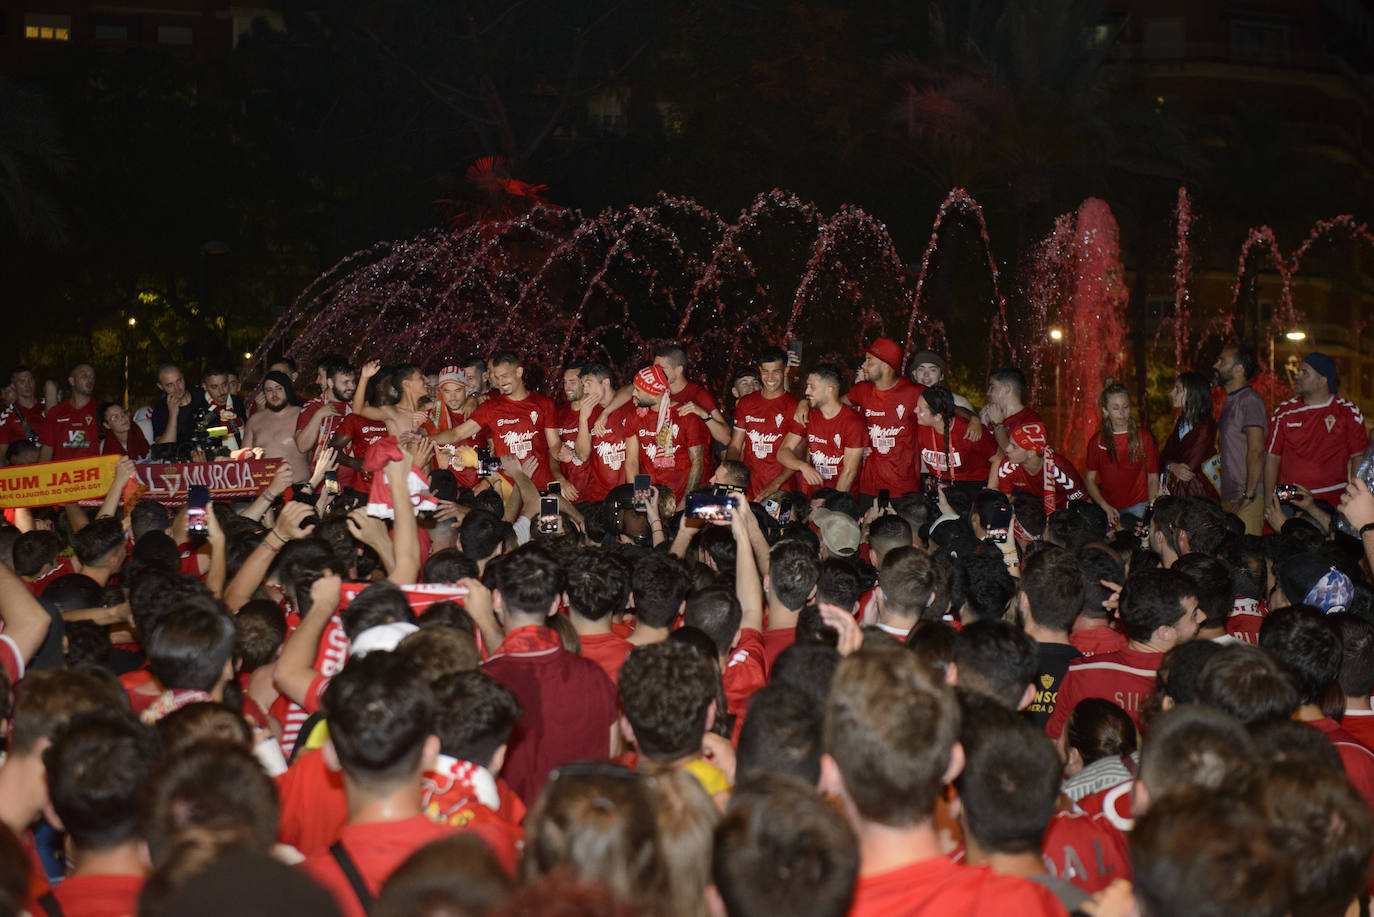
(666, 447)
(320, 418)
(273, 429)
(833, 435)
(762, 418)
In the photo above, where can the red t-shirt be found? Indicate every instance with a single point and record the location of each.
(569, 706)
(1360, 724)
(1123, 483)
(314, 808)
(891, 419)
(1094, 641)
(695, 393)
(1066, 482)
(1358, 760)
(578, 473)
(765, 423)
(826, 440)
(1245, 619)
(937, 887)
(608, 651)
(441, 419)
(376, 849)
(98, 896)
(775, 641)
(1087, 850)
(328, 427)
(71, 431)
(607, 461)
(362, 435)
(12, 427)
(518, 428)
(745, 672)
(1314, 444)
(1021, 418)
(668, 462)
(971, 460)
(1125, 677)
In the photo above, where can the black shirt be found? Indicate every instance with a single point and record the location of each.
(1049, 675)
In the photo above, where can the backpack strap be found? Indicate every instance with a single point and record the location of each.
(50, 906)
(350, 871)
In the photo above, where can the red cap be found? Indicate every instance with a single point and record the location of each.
(1030, 436)
(887, 350)
(652, 380)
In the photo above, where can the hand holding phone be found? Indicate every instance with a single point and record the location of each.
(197, 505)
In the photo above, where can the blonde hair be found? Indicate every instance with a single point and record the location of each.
(1105, 432)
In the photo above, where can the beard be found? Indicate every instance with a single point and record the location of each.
(341, 396)
(277, 408)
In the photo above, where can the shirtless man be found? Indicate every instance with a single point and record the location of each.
(273, 429)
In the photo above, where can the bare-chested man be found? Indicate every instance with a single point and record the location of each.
(274, 429)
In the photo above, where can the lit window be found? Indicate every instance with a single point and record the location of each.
(47, 27)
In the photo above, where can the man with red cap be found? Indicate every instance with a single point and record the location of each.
(833, 434)
(450, 409)
(520, 423)
(660, 442)
(887, 402)
(1031, 465)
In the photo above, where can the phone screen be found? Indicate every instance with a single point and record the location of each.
(197, 504)
(548, 515)
(642, 484)
(555, 489)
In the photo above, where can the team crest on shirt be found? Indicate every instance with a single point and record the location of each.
(1047, 681)
(901, 409)
(1330, 422)
(837, 439)
(534, 416)
(777, 421)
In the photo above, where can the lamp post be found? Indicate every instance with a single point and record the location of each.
(132, 323)
(1057, 337)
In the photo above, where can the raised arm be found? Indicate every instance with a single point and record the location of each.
(294, 671)
(26, 621)
(405, 539)
(748, 586)
(250, 575)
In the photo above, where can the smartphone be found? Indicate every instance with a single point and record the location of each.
(708, 507)
(555, 489)
(486, 465)
(548, 516)
(779, 508)
(197, 505)
(794, 352)
(1286, 492)
(331, 482)
(998, 523)
(884, 499)
(1144, 525)
(642, 485)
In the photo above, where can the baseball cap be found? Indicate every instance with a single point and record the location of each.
(839, 533)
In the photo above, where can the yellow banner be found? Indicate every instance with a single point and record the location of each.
(52, 483)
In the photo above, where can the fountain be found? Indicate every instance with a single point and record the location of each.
(559, 287)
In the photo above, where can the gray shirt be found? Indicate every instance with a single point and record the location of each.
(1242, 408)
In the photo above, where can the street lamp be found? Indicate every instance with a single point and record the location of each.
(1296, 335)
(1057, 336)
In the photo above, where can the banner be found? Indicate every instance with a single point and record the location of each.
(241, 479)
(166, 482)
(419, 595)
(54, 483)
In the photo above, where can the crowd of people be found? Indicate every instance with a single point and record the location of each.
(840, 642)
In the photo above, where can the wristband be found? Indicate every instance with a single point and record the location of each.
(1366, 529)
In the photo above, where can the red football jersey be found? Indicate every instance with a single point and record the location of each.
(71, 431)
(1245, 619)
(1087, 850)
(826, 441)
(891, 420)
(362, 433)
(578, 473)
(608, 651)
(518, 428)
(1314, 444)
(376, 849)
(1124, 677)
(314, 808)
(1066, 482)
(971, 460)
(745, 672)
(1123, 483)
(328, 427)
(98, 896)
(765, 423)
(667, 459)
(12, 422)
(607, 461)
